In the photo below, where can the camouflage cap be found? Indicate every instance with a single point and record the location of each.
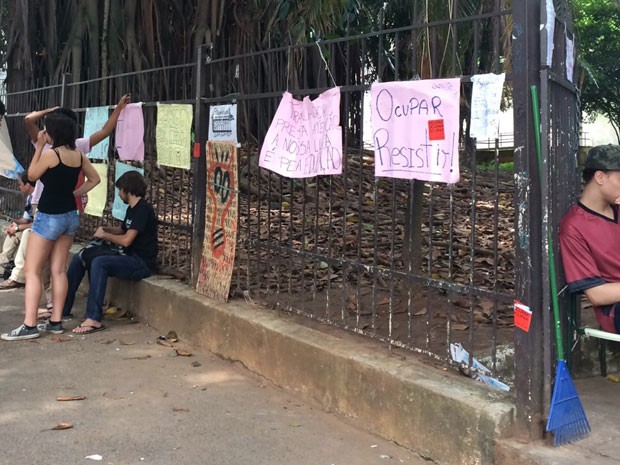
(604, 157)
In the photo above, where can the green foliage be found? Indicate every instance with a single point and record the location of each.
(597, 23)
(508, 167)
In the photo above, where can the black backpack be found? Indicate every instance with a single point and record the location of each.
(8, 268)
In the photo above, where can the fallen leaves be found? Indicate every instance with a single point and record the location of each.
(60, 427)
(168, 341)
(138, 357)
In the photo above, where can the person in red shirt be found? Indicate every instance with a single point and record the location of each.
(590, 237)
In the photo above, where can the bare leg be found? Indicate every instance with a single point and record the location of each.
(58, 269)
(37, 252)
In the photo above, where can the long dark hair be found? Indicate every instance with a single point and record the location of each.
(61, 125)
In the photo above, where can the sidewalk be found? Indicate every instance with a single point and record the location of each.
(443, 416)
(600, 398)
(144, 405)
(446, 418)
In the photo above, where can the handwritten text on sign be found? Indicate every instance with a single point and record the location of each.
(305, 138)
(415, 129)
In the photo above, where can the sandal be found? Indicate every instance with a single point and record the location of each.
(44, 313)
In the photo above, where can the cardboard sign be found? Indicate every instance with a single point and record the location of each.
(523, 316)
(415, 129)
(218, 253)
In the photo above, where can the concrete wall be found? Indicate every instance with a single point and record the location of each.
(439, 414)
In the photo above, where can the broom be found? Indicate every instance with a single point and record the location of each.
(567, 419)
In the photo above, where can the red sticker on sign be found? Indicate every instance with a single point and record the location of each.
(436, 130)
(523, 316)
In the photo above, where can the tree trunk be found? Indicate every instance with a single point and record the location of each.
(104, 47)
(202, 33)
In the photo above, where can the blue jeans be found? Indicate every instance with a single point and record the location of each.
(130, 267)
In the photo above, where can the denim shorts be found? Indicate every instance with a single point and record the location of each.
(51, 227)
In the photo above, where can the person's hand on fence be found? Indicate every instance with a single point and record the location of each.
(125, 99)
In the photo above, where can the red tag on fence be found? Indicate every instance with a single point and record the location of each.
(523, 316)
(436, 130)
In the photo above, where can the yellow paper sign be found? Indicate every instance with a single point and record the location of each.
(173, 135)
(98, 197)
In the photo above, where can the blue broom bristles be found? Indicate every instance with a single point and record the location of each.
(567, 419)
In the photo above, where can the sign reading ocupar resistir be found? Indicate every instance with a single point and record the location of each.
(415, 129)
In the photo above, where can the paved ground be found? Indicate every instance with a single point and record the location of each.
(144, 405)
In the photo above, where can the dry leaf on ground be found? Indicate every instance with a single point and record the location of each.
(69, 398)
(61, 426)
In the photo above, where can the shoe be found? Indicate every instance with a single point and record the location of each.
(67, 317)
(20, 333)
(10, 284)
(51, 328)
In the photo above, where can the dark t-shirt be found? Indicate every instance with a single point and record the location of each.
(590, 248)
(142, 218)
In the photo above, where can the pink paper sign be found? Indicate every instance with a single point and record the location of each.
(305, 137)
(129, 134)
(415, 129)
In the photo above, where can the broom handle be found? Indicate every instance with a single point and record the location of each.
(552, 274)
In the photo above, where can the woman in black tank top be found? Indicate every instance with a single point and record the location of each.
(57, 218)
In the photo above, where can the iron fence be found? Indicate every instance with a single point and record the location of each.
(170, 189)
(419, 265)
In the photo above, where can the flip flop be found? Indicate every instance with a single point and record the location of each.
(43, 314)
(93, 329)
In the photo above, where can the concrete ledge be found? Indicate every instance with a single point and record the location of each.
(444, 417)
(441, 415)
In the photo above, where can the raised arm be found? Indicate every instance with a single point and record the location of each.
(39, 163)
(110, 124)
(31, 120)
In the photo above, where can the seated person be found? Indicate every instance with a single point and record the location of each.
(85, 144)
(590, 237)
(14, 235)
(137, 234)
